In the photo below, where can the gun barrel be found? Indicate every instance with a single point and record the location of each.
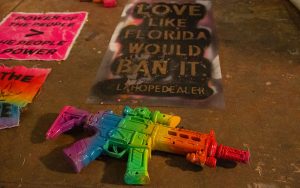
(232, 154)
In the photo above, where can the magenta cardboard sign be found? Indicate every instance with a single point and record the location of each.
(39, 36)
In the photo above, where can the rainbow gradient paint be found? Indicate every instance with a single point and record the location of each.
(9, 115)
(135, 134)
(19, 85)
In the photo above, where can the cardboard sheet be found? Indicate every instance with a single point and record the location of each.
(162, 54)
(39, 36)
(9, 115)
(19, 85)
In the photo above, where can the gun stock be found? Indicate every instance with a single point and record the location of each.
(68, 118)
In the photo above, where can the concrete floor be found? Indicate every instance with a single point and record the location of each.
(260, 59)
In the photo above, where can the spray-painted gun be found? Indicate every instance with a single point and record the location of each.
(136, 133)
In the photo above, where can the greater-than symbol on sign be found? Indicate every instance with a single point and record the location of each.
(35, 32)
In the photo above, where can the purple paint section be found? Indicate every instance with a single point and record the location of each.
(102, 124)
(68, 118)
(76, 153)
(82, 152)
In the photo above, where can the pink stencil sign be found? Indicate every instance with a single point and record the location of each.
(39, 36)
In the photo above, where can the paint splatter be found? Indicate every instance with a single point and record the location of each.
(19, 85)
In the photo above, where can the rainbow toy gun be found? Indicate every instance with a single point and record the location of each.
(136, 133)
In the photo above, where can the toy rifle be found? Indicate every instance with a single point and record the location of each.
(136, 133)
